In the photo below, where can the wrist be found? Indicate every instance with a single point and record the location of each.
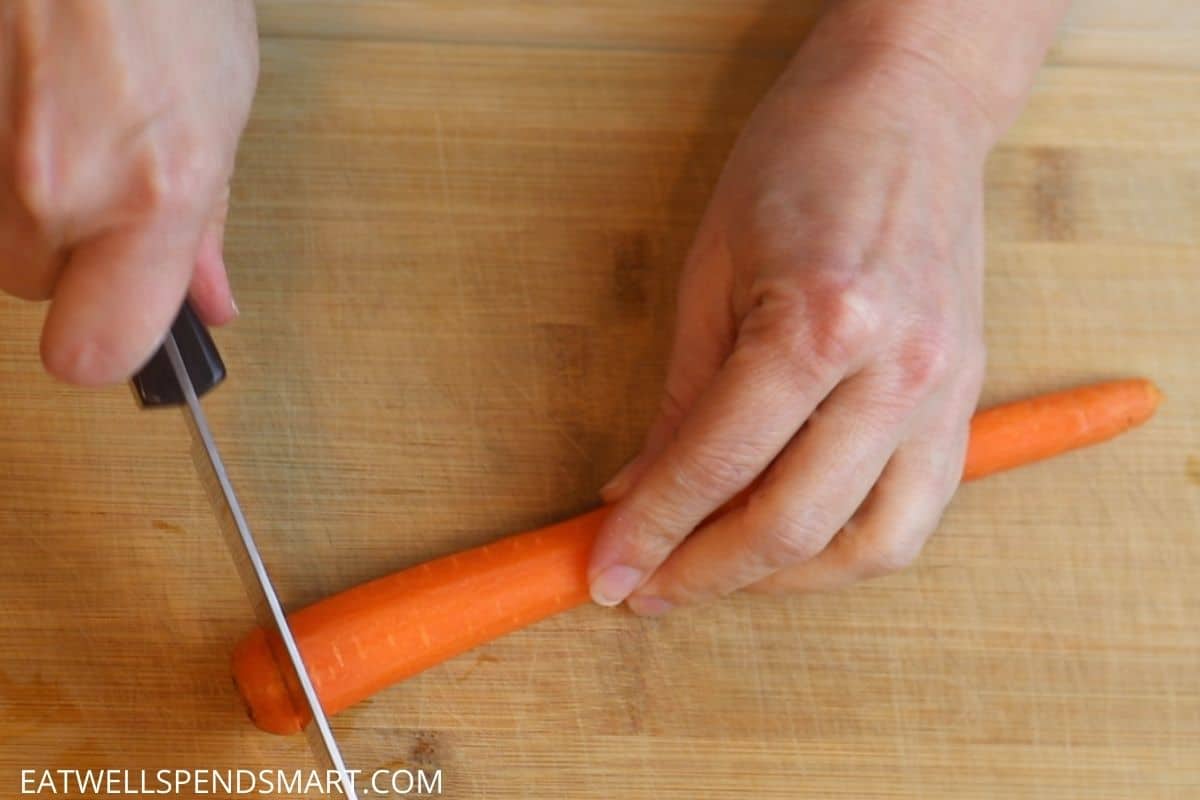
(972, 62)
(882, 89)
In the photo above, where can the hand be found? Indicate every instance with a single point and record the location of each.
(828, 346)
(121, 123)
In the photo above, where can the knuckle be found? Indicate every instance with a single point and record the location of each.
(644, 548)
(793, 537)
(925, 360)
(788, 334)
(33, 176)
(785, 546)
(692, 582)
(823, 325)
(653, 540)
(966, 384)
(847, 323)
(704, 473)
(670, 405)
(182, 177)
(886, 555)
(652, 529)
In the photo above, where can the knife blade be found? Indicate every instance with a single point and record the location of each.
(186, 367)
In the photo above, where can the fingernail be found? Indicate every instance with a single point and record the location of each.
(614, 584)
(648, 605)
(618, 485)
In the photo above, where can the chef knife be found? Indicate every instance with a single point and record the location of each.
(184, 369)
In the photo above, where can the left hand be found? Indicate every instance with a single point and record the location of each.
(828, 346)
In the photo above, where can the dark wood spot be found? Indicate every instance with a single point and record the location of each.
(578, 404)
(631, 272)
(1192, 470)
(425, 749)
(163, 525)
(1053, 193)
(566, 351)
(413, 750)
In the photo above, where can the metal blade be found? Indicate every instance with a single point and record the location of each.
(254, 572)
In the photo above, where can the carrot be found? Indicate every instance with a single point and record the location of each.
(365, 639)
(1014, 434)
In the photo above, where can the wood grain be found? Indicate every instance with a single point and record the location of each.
(455, 233)
(1109, 32)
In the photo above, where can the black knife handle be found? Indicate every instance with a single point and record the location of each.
(155, 385)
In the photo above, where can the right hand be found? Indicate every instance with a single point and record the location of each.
(120, 124)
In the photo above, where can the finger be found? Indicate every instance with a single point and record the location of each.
(115, 299)
(29, 265)
(29, 261)
(71, 154)
(810, 492)
(736, 427)
(209, 291)
(703, 337)
(890, 530)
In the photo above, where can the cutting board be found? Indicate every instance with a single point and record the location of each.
(455, 235)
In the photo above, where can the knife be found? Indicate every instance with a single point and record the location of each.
(186, 367)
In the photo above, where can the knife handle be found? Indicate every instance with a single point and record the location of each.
(155, 385)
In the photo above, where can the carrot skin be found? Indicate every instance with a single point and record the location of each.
(1015, 434)
(369, 637)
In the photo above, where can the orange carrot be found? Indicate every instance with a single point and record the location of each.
(365, 639)
(357, 642)
(1014, 434)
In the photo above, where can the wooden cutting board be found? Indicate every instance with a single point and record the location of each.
(455, 234)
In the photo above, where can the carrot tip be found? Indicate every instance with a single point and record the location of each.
(1156, 395)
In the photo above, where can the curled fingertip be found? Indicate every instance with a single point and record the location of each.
(86, 361)
(68, 363)
(613, 584)
(209, 289)
(649, 605)
(213, 311)
(619, 485)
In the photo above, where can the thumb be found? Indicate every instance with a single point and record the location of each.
(115, 299)
(703, 337)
